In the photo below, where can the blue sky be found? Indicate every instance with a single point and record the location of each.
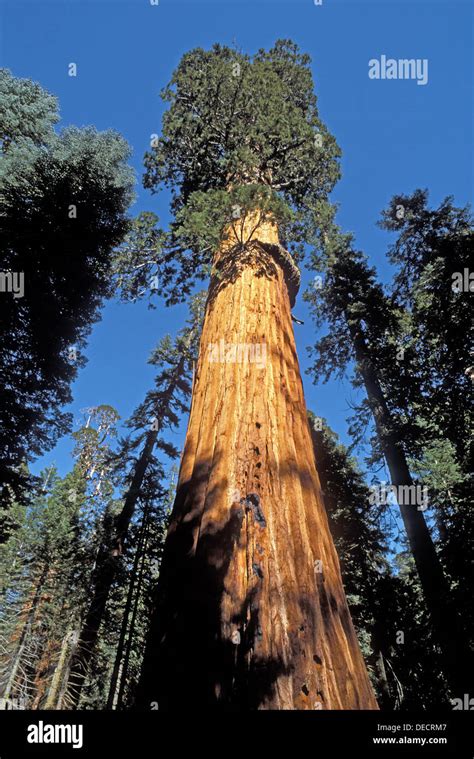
(395, 135)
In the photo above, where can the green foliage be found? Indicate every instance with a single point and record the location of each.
(241, 133)
(29, 112)
(164, 405)
(44, 582)
(234, 119)
(384, 595)
(431, 246)
(63, 200)
(352, 302)
(137, 263)
(416, 335)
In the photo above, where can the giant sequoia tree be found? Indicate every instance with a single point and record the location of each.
(250, 612)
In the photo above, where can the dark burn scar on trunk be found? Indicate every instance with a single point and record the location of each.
(252, 503)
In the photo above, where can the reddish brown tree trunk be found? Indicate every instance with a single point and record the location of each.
(251, 611)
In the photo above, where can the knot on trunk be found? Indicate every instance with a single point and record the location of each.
(263, 257)
(290, 269)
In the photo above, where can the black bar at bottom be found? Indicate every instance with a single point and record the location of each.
(141, 735)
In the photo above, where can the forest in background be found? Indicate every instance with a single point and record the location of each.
(80, 554)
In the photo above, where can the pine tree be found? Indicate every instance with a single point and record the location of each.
(159, 411)
(42, 587)
(147, 543)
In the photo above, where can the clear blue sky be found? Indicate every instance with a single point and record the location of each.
(395, 135)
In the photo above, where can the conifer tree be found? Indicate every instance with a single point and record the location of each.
(63, 202)
(431, 253)
(147, 546)
(250, 612)
(384, 595)
(42, 587)
(367, 326)
(159, 411)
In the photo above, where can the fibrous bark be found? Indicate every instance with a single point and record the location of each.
(251, 611)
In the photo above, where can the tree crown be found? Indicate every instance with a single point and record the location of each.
(241, 133)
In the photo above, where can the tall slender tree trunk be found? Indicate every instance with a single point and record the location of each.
(121, 663)
(107, 559)
(11, 685)
(63, 696)
(251, 611)
(457, 656)
(106, 571)
(382, 678)
(53, 697)
(133, 621)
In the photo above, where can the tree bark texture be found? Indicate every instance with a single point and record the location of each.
(251, 611)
